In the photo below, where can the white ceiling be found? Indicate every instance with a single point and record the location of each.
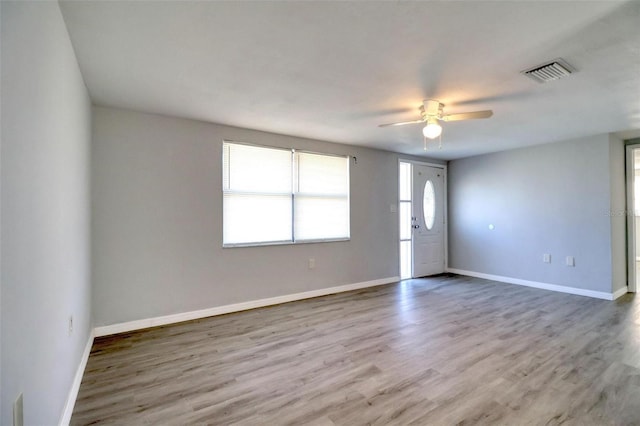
(335, 70)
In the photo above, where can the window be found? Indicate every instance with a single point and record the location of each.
(405, 183)
(283, 196)
(429, 204)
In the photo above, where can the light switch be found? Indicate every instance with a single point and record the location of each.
(571, 261)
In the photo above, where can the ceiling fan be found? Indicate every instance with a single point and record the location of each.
(432, 111)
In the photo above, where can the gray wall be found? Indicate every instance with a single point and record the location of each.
(554, 198)
(46, 121)
(157, 221)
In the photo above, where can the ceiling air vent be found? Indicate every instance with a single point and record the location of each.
(549, 72)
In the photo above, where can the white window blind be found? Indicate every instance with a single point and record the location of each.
(276, 196)
(321, 197)
(256, 195)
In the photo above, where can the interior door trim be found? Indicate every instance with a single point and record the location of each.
(632, 250)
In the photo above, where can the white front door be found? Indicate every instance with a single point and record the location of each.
(427, 221)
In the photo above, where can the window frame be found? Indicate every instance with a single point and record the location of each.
(294, 190)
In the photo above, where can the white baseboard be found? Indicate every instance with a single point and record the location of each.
(543, 286)
(620, 292)
(75, 386)
(236, 307)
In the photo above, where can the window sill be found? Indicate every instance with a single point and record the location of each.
(286, 243)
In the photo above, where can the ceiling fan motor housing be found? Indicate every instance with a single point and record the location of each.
(431, 108)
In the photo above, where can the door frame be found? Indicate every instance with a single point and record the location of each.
(632, 250)
(445, 212)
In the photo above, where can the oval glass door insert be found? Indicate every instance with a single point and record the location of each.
(429, 204)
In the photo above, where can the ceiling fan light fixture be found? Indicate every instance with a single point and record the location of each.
(431, 113)
(433, 129)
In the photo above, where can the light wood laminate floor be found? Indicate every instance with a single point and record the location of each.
(437, 351)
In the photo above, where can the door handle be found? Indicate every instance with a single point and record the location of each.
(415, 226)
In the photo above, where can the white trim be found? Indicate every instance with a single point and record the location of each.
(446, 219)
(423, 163)
(286, 242)
(75, 386)
(632, 250)
(543, 286)
(620, 292)
(236, 307)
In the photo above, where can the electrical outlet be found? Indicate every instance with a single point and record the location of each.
(546, 258)
(70, 324)
(312, 263)
(18, 417)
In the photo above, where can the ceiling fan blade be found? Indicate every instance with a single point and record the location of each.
(401, 123)
(467, 115)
